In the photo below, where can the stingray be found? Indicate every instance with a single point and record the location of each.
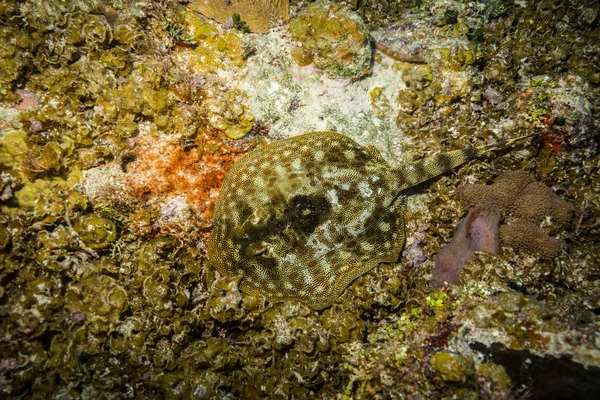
(301, 218)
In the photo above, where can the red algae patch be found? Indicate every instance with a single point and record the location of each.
(164, 168)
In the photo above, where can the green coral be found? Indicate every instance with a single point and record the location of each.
(226, 113)
(332, 38)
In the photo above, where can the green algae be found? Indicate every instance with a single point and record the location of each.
(96, 232)
(13, 148)
(332, 38)
(451, 367)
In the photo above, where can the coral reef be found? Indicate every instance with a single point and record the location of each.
(115, 125)
(478, 232)
(258, 14)
(333, 39)
(527, 204)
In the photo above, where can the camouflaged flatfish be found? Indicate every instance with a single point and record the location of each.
(301, 218)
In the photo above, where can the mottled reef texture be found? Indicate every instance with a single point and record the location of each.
(119, 121)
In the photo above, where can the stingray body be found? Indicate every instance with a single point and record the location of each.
(301, 218)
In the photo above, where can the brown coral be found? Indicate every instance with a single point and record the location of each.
(527, 204)
(526, 236)
(258, 14)
(502, 193)
(538, 201)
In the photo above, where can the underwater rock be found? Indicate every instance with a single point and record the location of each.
(493, 96)
(528, 205)
(545, 377)
(478, 232)
(493, 381)
(561, 112)
(259, 15)
(452, 367)
(333, 38)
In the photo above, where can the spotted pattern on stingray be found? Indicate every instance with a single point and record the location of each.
(301, 218)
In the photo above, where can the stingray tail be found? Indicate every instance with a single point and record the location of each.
(439, 164)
